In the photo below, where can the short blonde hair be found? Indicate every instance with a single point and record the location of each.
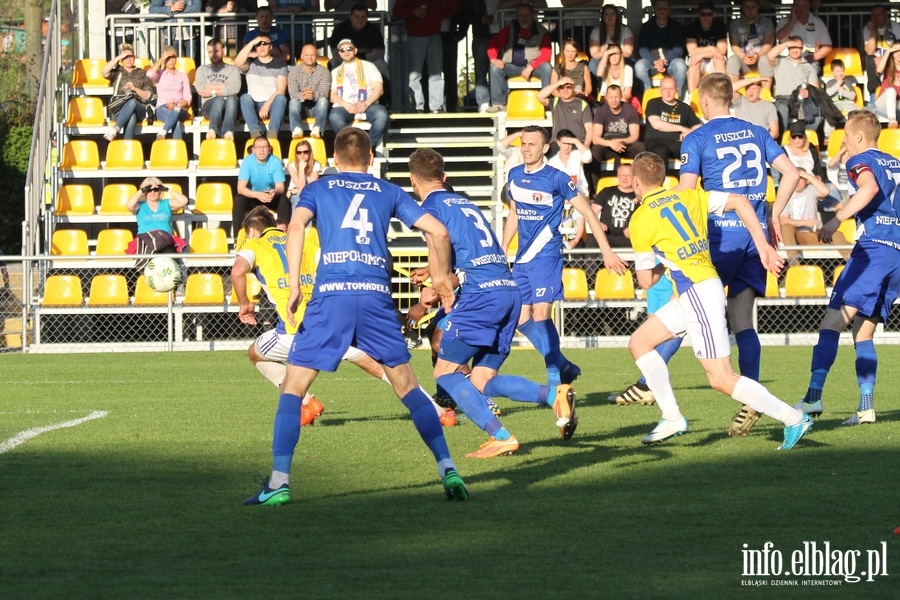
(124, 47)
(718, 88)
(866, 123)
(649, 168)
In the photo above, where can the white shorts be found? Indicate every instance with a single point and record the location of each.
(699, 313)
(275, 347)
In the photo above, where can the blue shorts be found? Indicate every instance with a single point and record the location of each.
(481, 327)
(539, 280)
(737, 261)
(870, 282)
(333, 323)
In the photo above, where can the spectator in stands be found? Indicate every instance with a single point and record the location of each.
(879, 35)
(616, 131)
(888, 69)
(484, 27)
(453, 30)
(810, 29)
(612, 70)
(186, 35)
(569, 112)
(838, 184)
(366, 37)
(266, 78)
(303, 169)
(661, 48)
(752, 107)
(309, 86)
(668, 121)
(260, 183)
(751, 37)
(801, 220)
(127, 80)
(154, 217)
(510, 148)
(422, 21)
(614, 206)
(791, 73)
(570, 159)
(569, 66)
(173, 94)
(302, 31)
(229, 29)
(279, 39)
(610, 32)
(706, 41)
(356, 86)
(801, 152)
(520, 48)
(841, 88)
(218, 85)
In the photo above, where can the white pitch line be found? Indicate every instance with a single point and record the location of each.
(21, 438)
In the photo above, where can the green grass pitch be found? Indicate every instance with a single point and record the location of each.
(146, 502)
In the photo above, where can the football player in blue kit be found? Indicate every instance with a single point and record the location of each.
(537, 197)
(351, 302)
(869, 284)
(731, 155)
(484, 317)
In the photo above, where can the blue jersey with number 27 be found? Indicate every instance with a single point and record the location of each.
(353, 212)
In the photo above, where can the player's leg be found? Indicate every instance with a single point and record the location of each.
(740, 317)
(540, 284)
(823, 356)
(269, 353)
(866, 367)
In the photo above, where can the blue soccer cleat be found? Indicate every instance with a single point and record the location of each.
(269, 497)
(793, 433)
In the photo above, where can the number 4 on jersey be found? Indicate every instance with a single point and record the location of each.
(360, 224)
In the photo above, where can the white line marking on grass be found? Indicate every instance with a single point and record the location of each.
(21, 438)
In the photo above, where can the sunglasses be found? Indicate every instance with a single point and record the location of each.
(128, 56)
(264, 44)
(302, 152)
(346, 49)
(798, 136)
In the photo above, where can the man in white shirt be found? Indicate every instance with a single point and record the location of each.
(356, 86)
(816, 39)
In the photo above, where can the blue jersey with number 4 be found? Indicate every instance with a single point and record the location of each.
(879, 218)
(353, 212)
(540, 197)
(482, 265)
(731, 155)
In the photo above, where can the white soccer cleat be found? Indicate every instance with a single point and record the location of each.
(666, 429)
(861, 417)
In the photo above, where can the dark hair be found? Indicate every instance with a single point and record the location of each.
(359, 7)
(837, 63)
(214, 42)
(352, 147)
(427, 164)
(260, 219)
(540, 130)
(616, 38)
(564, 133)
(706, 5)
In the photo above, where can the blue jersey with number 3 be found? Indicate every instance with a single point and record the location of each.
(353, 212)
(477, 255)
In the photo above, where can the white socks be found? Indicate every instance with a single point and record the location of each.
(656, 372)
(272, 371)
(757, 397)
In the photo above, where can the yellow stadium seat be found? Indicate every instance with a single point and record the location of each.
(276, 147)
(74, 199)
(889, 141)
(85, 111)
(575, 285)
(254, 287)
(124, 154)
(770, 188)
(144, 295)
(524, 104)
(607, 181)
(513, 244)
(80, 155)
(217, 154)
(186, 65)
(88, 73)
(323, 61)
(834, 143)
(114, 197)
(850, 57)
(318, 148)
(168, 154)
(648, 96)
(213, 198)
(63, 290)
(695, 103)
(804, 281)
(113, 241)
(142, 63)
(848, 228)
(209, 241)
(610, 286)
(204, 289)
(772, 290)
(69, 242)
(837, 273)
(519, 82)
(108, 290)
(811, 135)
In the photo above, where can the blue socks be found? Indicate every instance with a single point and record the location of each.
(426, 421)
(287, 432)
(749, 352)
(823, 356)
(472, 402)
(516, 388)
(545, 339)
(866, 365)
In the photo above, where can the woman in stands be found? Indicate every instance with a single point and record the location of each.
(173, 93)
(610, 32)
(577, 70)
(154, 218)
(303, 169)
(889, 67)
(131, 82)
(612, 70)
(802, 153)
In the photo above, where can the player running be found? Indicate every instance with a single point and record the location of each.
(672, 227)
(351, 302)
(869, 284)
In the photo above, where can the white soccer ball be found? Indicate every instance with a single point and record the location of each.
(163, 274)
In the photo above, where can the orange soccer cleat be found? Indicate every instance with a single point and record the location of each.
(310, 409)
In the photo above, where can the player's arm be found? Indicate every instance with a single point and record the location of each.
(647, 278)
(867, 189)
(510, 228)
(296, 235)
(789, 178)
(611, 260)
(739, 204)
(438, 240)
(239, 283)
(687, 181)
